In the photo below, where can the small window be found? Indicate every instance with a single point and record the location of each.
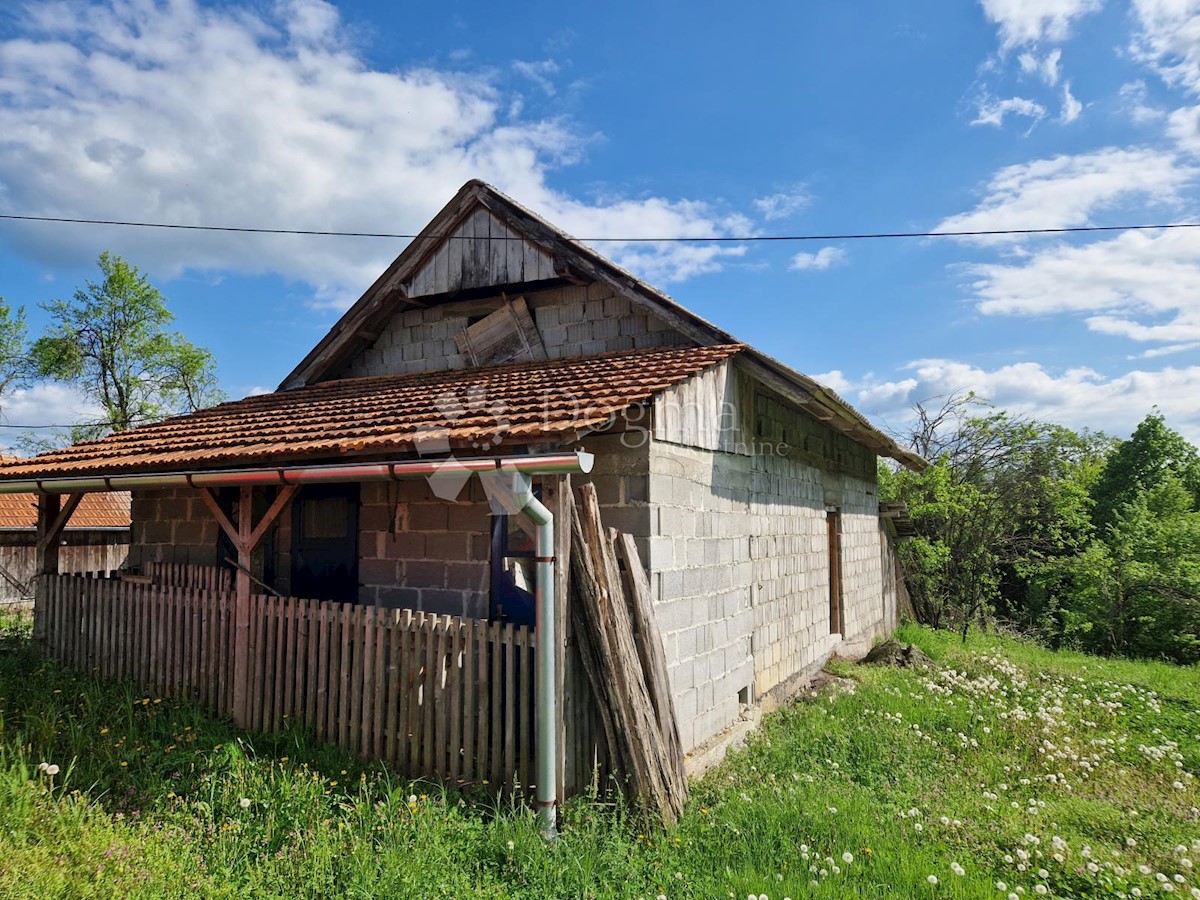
(324, 518)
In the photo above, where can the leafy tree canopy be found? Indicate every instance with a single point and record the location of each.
(1152, 454)
(110, 341)
(13, 361)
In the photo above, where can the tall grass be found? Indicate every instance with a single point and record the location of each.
(839, 796)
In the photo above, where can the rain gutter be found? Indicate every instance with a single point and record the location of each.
(547, 464)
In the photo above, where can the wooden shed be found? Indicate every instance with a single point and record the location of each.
(96, 539)
(345, 551)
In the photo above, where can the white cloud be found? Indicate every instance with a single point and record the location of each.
(822, 259)
(1046, 68)
(1071, 108)
(662, 264)
(178, 112)
(783, 204)
(835, 380)
(1184, 126)
(1169, 40)
(539, 73)
(992, 111)
(1029, 21)
(1142, 286)
(1078, 397)
(1155, 352)
(1135, 98)
(31, 410)
(1066, 190)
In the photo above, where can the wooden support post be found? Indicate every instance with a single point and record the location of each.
(53, 516)
(245, 536)
(241, 639)
(47, 562)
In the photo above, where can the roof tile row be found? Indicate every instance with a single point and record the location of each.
(428, 412)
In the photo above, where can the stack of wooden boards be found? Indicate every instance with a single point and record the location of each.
(622, 653)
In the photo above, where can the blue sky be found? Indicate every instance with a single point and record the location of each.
(644, 120)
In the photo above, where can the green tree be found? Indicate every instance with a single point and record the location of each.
(1003, 496)
(1152, 454)
(14, 362)
(110, 342)
(1136, 591)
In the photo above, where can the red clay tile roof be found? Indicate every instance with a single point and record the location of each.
(462, 408)
(109, 510)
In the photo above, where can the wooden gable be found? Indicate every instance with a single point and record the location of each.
(479, 252)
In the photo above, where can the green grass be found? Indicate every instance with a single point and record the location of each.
(911, 774)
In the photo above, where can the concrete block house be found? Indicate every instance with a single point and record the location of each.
(750, 490)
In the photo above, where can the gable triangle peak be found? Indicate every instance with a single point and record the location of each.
(477, 249)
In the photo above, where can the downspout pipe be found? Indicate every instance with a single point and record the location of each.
(546, 743)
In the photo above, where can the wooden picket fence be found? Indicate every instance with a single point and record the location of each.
(431, 695)
(206, 578)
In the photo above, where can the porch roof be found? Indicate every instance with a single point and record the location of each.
(432, 413)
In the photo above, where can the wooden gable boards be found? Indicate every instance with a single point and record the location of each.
(479, 252)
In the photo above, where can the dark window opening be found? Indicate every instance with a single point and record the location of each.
(512, 569)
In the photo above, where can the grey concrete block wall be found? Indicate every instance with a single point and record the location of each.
(171, 525)
(417, 551)
(739, 552)
(739, 562)
(573, 321)
(862, 572)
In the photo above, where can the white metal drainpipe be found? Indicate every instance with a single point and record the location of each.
(546, 762)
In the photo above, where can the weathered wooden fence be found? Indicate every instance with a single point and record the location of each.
(431, 695)
(207, 578)
(102, 552)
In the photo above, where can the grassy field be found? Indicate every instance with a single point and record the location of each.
(1010, 771)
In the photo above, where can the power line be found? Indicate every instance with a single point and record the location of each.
(137, 422)
(856, 236)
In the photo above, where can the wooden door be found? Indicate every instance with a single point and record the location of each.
(325, 542)
(833, 528)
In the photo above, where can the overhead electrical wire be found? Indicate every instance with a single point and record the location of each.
(853, 236)
(856, 236)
